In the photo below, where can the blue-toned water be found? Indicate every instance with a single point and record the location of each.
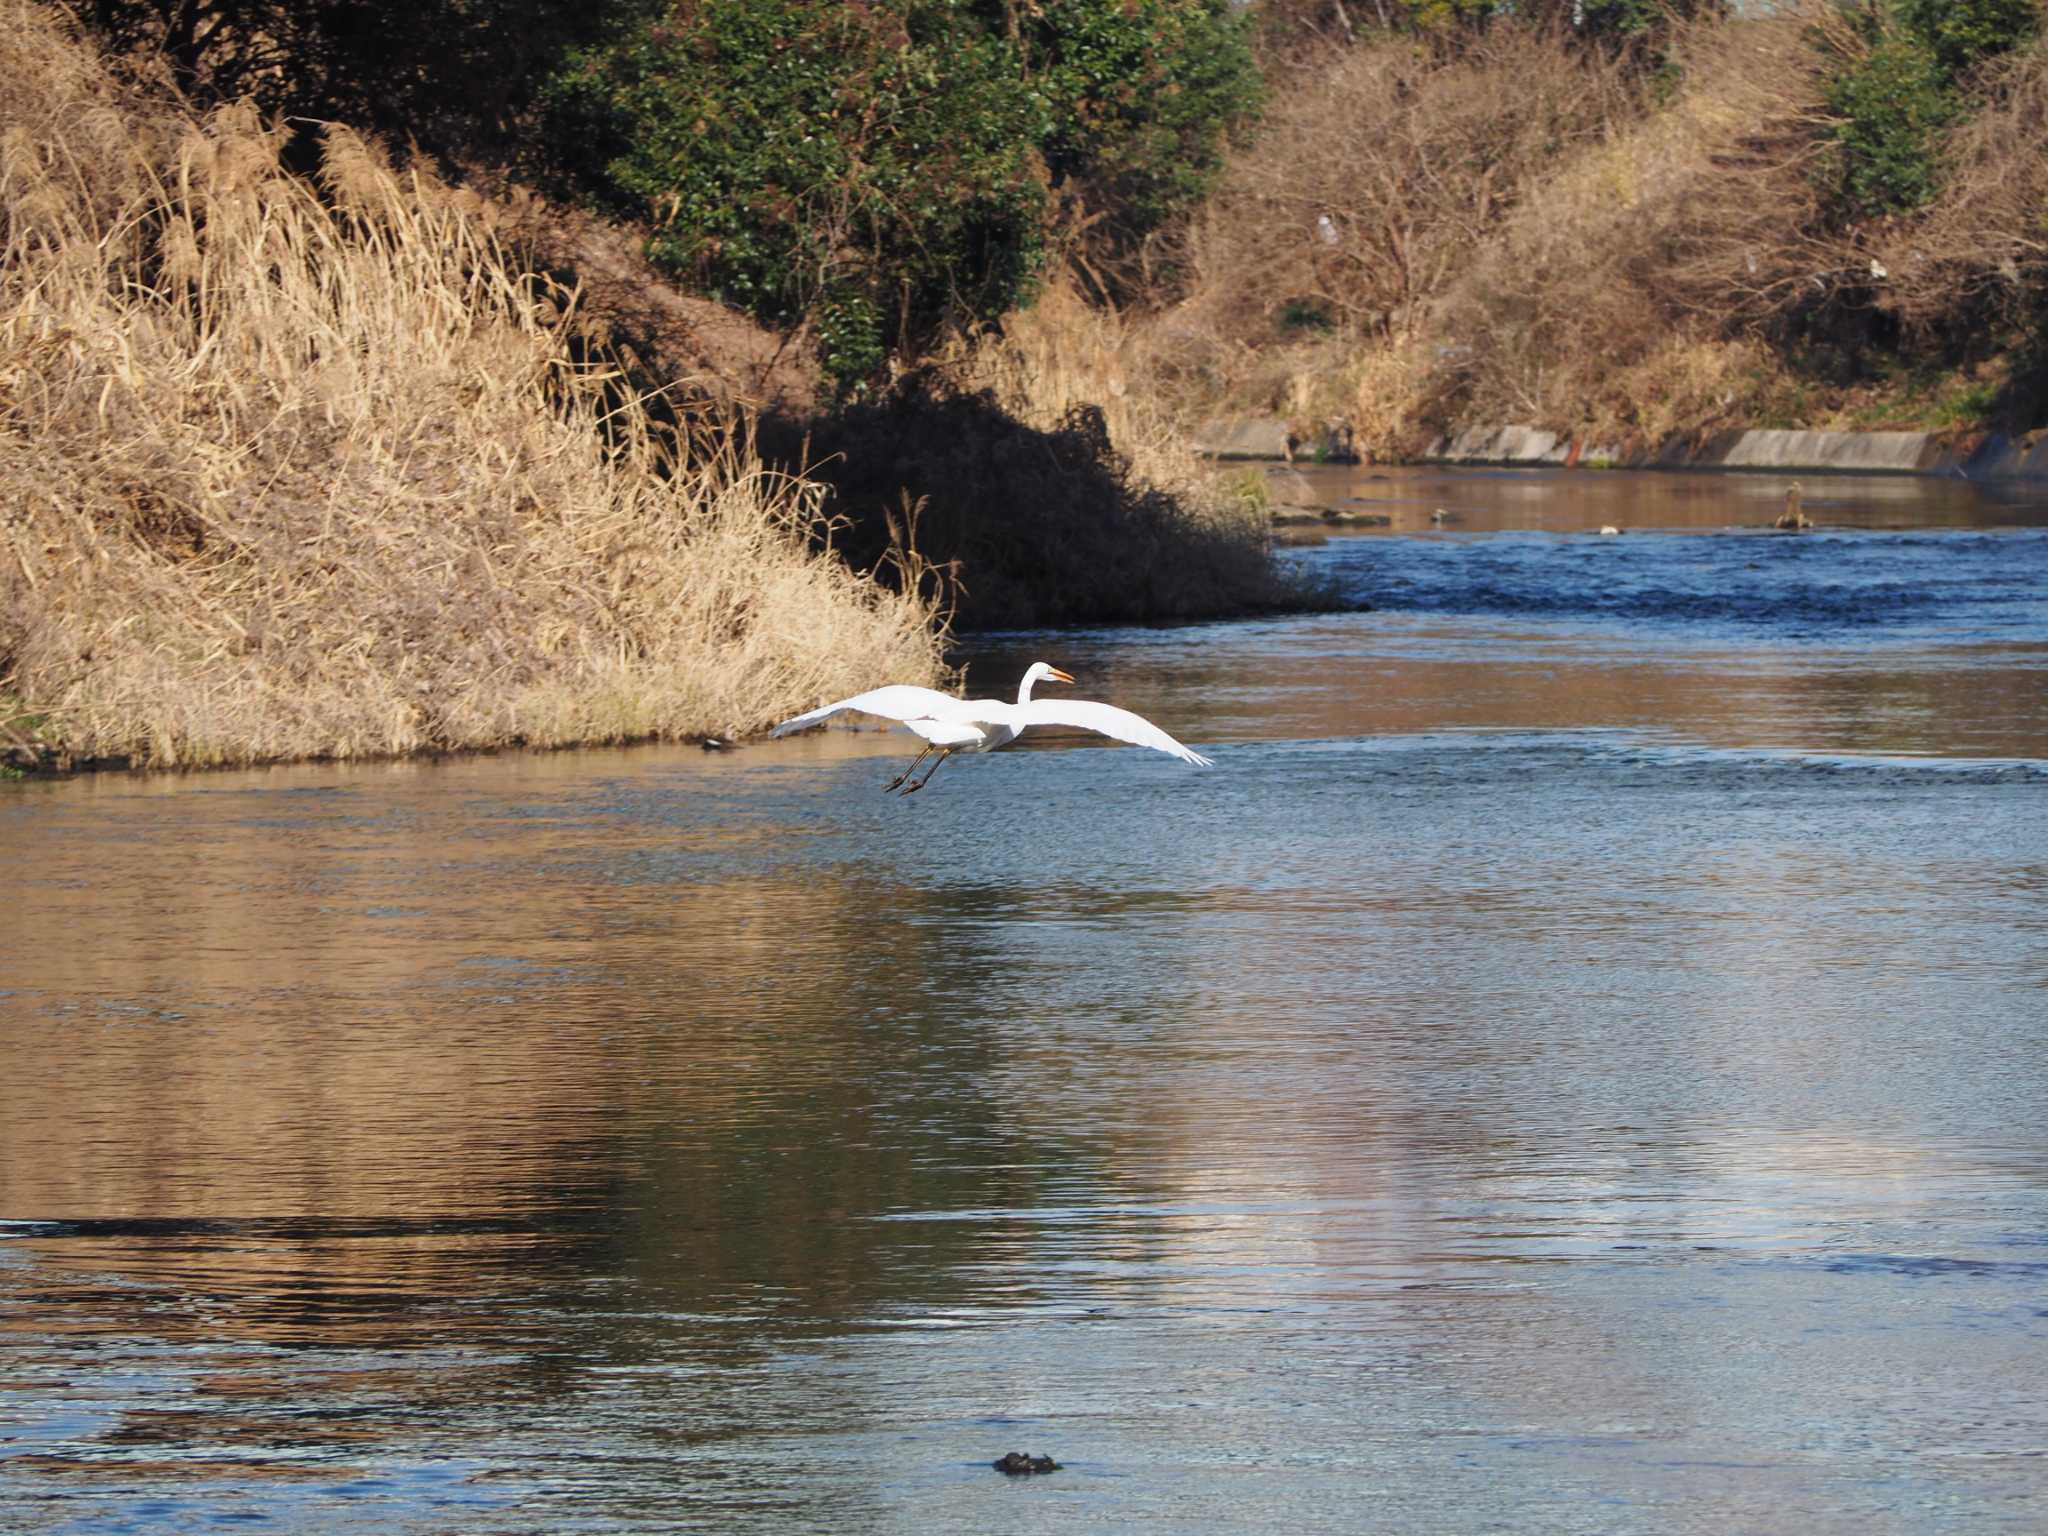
(1576, 1064)
(1843, 586)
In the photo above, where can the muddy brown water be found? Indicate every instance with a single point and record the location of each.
(1578, 1063)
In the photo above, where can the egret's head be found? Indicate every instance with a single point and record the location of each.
(1041, 672)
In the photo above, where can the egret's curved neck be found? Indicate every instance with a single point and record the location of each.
(1024, 688)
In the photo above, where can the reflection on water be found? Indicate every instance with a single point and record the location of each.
(1492, 500)
(1570, 1068)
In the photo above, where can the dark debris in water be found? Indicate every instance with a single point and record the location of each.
(1018, 1464)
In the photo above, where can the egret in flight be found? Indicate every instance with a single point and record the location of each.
(950, 725)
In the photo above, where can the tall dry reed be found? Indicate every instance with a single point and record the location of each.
(290, 471)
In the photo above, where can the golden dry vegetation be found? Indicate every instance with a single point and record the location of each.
(1521, 230)
(1177, 531)
(296, 472)
(1034, 477)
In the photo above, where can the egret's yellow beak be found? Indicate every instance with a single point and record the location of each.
(1061, 677)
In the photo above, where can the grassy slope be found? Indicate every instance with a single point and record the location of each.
(285, 475)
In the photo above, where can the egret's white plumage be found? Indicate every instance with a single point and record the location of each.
(981, 725)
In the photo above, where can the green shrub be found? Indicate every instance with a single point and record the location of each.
(887, 168)
(1961, 32)
(1141, 95)
(872, 166)
(1891, 105)
(1306, 315)
(1894, 100)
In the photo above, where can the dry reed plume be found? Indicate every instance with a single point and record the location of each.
(288, 472)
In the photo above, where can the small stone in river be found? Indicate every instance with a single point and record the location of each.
(1017, 1464)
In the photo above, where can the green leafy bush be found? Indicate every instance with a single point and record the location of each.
(885, 168)
(872, 166)
(1894, 98)
(1891, 105)
(1963, 31)
(1140, 94)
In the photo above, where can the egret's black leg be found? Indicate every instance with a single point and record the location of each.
(906, 773)
(944, 753)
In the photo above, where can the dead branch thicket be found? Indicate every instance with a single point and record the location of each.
(290, 473)
(1380, 171)
(1983, 247)
(1629, 293)
(1519, 233)
(1372, 184)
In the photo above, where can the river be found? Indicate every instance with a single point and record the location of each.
(1577, 1063)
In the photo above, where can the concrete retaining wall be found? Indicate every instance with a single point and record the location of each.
(1977, 456)
(1245, 438)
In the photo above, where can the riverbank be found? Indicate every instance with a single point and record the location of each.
(321, 469)
(346, 465)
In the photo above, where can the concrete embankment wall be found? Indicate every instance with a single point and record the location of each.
(1974, 456)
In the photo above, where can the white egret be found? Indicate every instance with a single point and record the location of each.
(950, 725)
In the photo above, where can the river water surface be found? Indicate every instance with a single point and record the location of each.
(1578, 1063)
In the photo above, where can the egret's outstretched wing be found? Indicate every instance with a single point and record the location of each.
(1105, 720)
(898, 701)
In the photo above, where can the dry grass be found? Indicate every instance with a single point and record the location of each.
(285, 474)
(1623, 297)
(1197, 544)
(1423, 240)
(1984, 246)
(1065, 353)
(1049, 483)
